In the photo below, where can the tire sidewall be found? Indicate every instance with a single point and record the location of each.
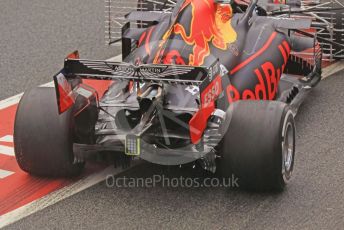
(252, 150)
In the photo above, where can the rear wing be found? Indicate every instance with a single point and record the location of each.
(108, 70)
(68, 85)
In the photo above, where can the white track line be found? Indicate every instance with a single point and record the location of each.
(58, 195)
(10, 101)
(8, 138)
(5, 173)
(332, 69)
(49, 84)
(9, 151)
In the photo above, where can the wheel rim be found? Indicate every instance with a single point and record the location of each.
(288, 147)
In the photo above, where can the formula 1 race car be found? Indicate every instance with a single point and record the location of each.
(217, 82)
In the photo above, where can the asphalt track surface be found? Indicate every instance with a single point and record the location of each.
(36, 35)
(313, 200)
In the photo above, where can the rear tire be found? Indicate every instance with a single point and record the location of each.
(43, 139)
(259, 145)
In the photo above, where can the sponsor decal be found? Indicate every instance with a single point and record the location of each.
(268, 76)
(212, 91)
(192, 89)
(210, 22)
(138, 70)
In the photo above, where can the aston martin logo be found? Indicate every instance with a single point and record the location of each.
(141, 71)
(182, 74)
(138, 69)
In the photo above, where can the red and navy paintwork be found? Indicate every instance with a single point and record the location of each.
(254, 53)
(240, 56)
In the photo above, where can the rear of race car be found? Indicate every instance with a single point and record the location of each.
(168, 114)
(165, 115)
(159, 113)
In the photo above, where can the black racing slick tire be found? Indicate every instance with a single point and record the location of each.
(43, 139)
(258, 147)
